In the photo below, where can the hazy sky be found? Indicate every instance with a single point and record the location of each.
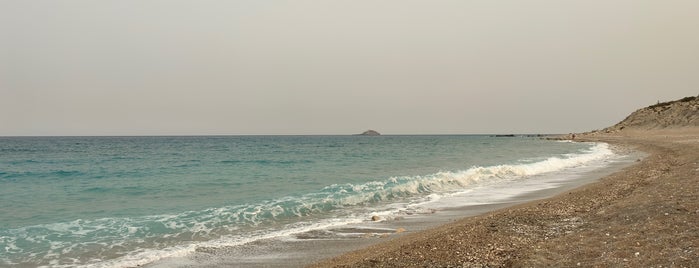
(153, 67)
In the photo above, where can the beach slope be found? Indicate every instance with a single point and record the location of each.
(642, 216)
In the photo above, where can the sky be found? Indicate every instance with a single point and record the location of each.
(298, 67)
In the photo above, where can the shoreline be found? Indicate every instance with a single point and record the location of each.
(306, 248)
(643, 215)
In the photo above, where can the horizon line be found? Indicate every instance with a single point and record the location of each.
(232, 135)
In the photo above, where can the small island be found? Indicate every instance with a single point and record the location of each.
(369, 133)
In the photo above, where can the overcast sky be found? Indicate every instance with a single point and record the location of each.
(170, 67)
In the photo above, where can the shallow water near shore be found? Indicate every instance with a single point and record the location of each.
(127, 201)
(305, 248)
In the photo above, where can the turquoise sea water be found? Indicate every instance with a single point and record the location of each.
(125, 201)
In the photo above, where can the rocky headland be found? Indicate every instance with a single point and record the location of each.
(681, 113)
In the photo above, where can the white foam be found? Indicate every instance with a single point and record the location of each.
(519, 179)
(447, 182)
(146, 256)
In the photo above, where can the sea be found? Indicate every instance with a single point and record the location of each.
(130, 201)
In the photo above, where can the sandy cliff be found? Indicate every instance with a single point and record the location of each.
(674, 114)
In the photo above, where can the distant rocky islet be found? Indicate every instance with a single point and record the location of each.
(369, 133)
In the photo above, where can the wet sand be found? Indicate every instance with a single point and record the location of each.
(646, 215)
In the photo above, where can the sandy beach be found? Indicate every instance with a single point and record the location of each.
(642, 216)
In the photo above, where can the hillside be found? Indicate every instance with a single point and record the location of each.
(673, 114)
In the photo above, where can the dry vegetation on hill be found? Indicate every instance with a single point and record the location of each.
(673, 114)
